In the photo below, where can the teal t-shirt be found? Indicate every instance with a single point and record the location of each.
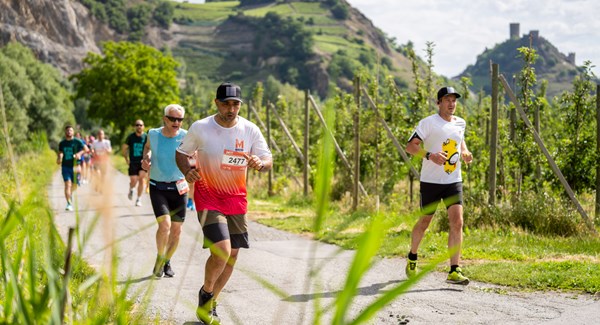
(164, 168)
(69, 148)
(136, 147)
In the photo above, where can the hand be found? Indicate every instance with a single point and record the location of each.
(467, 156)
(254, 162)
(438, 158)
(146, 164)
(192, 175)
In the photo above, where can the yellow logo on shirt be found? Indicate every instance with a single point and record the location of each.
(450, 147)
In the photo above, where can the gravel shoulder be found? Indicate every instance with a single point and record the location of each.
(284, 260)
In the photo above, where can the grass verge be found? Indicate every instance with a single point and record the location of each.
(512, 257)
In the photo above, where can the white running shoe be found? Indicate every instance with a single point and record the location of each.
(69, 207)
(138, 202)
(130, 195)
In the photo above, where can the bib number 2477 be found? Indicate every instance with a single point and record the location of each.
(233, 160)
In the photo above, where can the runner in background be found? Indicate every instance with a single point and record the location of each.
(133, 151)
(69, 150)
(101, 150)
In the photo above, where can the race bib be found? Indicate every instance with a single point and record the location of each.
(233, 160)
(182, 186)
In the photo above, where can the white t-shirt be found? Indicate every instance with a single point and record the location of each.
(220, 162)
(437, 135)
(101, 148)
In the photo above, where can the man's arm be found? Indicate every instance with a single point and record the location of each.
(146, 162)
(183, 164)
(414, 148)
(79, 153)
(467, 156)
(125, 152)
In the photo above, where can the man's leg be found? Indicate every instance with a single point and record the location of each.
(68, 191)
(418, 232)
(455, 236)
(220, 253)
(173, 241)
(133, 179)
(140, 183)
(162, 238)
(226, 274)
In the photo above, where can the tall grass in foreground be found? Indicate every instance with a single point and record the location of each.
(38, 286)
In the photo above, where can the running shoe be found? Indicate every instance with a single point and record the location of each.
(411, 268)
(158, 269)
(456, 277)
(138, 202)
(206, 311)
(168, 270)
(130, 195)
(69, 207)
(213, 312)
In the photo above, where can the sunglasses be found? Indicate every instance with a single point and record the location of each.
(174, 119)
(139, 125)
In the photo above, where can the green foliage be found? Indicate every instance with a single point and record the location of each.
(342, 66)
(116, 13)
(340, 11)
(131, 81)
(132, 19)
(163, 14)
(36, 97)
(579, 159)
(138, 17)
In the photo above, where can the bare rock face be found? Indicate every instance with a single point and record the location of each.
(60, 32)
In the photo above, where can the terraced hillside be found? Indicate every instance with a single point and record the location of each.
(221, 40)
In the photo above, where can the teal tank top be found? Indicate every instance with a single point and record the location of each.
(164, 168)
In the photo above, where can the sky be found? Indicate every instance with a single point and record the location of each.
(463, 29)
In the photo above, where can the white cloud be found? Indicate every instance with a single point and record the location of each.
(462, 29)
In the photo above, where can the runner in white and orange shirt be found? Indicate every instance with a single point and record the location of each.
(226, 145)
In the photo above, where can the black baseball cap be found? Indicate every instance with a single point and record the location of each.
(447, 91)
(229, 91)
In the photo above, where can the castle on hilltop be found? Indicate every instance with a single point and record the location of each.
(534, 35)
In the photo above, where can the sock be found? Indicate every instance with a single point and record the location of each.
(412, 257)
(453, 268)
(204, 292)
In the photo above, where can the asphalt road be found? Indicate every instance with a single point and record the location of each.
(284, 260)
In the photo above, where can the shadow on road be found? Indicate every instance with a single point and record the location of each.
(371, 290)
(150, 277)
(438, 289)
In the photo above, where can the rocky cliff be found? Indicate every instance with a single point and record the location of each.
(60, 32)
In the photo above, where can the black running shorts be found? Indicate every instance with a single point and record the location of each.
(431, 194)
(168, 202)
(134, 169)
(218, 227)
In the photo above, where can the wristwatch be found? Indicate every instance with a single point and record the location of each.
(427, 155)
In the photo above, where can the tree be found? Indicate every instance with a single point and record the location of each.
(35, 96)
(578, 146)
(131, 81)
